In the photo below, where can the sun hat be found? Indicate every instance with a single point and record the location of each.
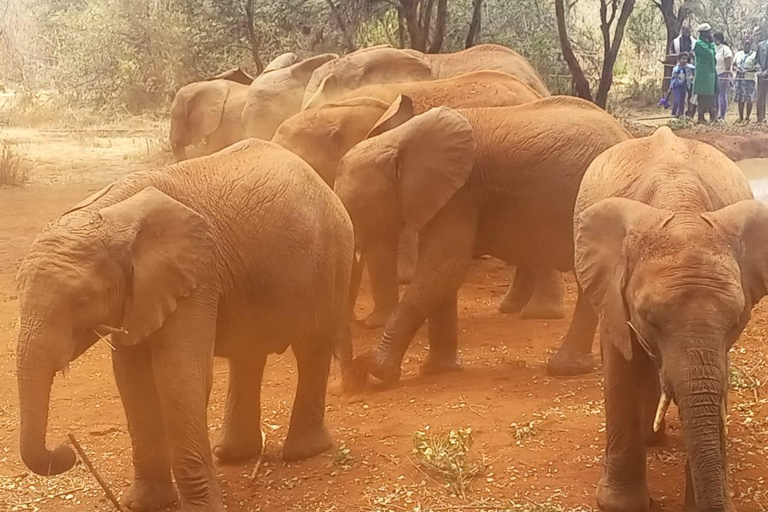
(704, 27)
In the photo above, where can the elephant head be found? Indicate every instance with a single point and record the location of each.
(196, 112)
(280, 62)
(678, 287)
(378, 66)
(409, 167)
(276, 95)
(120, 270)
(321, 136)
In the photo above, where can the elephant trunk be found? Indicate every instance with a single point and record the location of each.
(700, 387)
(179, 151)
(35, 377)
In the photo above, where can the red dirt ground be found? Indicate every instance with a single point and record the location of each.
(554, 466)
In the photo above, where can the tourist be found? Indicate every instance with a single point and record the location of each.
(679, 85)
(762, 77)
(745, 86)
(682, 43)
(705, 80)
(724, 67)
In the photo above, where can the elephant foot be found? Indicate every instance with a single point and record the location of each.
(147, 495)
(511, 306)
(378, 318)
(353, 379)
(231, 448)
(543, 311)
(438, 365)
(619, 499)
(372, 363)
(566, 363)
(305, 443)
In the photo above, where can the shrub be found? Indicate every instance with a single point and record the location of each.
(14, 168)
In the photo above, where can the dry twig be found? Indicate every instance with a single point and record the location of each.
(95, 473)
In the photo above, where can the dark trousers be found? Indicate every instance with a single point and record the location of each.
(762, 94)
(707, 104)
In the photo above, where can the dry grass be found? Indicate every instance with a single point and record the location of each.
(14, 168)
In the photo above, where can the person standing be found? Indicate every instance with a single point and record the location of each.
(682, 43)
(679, 85)
(746, 74)
(705, 79)
(762, 77)
(724, 68)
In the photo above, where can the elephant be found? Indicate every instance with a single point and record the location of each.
(500, 181)
(321, 136)
(210, 111)
(275, 96)
(180, 265)
(485, 57)
(388, 65)
(671, 250)
(336, 78)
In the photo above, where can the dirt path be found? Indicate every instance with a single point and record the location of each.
(541, 438)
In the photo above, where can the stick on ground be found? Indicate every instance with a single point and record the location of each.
(95, 473)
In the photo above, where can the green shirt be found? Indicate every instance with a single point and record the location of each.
(705, 79)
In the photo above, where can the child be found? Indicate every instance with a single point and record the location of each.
(678, 85)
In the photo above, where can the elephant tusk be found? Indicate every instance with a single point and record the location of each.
(661, 411)
(104, 339)
(642, 341)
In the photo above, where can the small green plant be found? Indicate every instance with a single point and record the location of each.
(681, 123)
(14, 168)
(446, 455)
(343, 456)
(740, 380)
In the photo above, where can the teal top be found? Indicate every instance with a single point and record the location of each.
(705, 80)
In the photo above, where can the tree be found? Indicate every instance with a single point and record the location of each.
(614, 15)
(253, 37)
(418, 22)
(475, 24)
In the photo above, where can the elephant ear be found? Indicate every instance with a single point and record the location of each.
(233, 75)
(205, 108)
(280, 62)
(601, 235)
(323, 94)
(400, 111)
(90, 199)
(168, 250)
(746, 223)
(303, 70)
(434, 156)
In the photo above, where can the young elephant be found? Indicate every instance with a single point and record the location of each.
(321, 136)
(499, 181)
(238, 254)
(672, 251)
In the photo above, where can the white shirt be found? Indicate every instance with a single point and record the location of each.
(675, 50)
(723, 52)
(750, 62)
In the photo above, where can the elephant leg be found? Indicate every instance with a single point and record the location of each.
(382, 272)
(575, 355)
(546, 303)
(408, 253)
(241, 438)
(445, 252)
(307, 435)
(152, 487)
(519, 292)
(443, 339)
(623, 487)
(182, 364)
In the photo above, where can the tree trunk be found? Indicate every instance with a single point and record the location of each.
(580, 81)
(253, 37)
(611, 48)
(476, 24)
(349, 45)
(673, 21)
(440, 21)
(400, 28)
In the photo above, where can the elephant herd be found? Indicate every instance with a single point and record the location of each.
(410, 165)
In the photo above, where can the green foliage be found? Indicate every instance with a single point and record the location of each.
(446, 455)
